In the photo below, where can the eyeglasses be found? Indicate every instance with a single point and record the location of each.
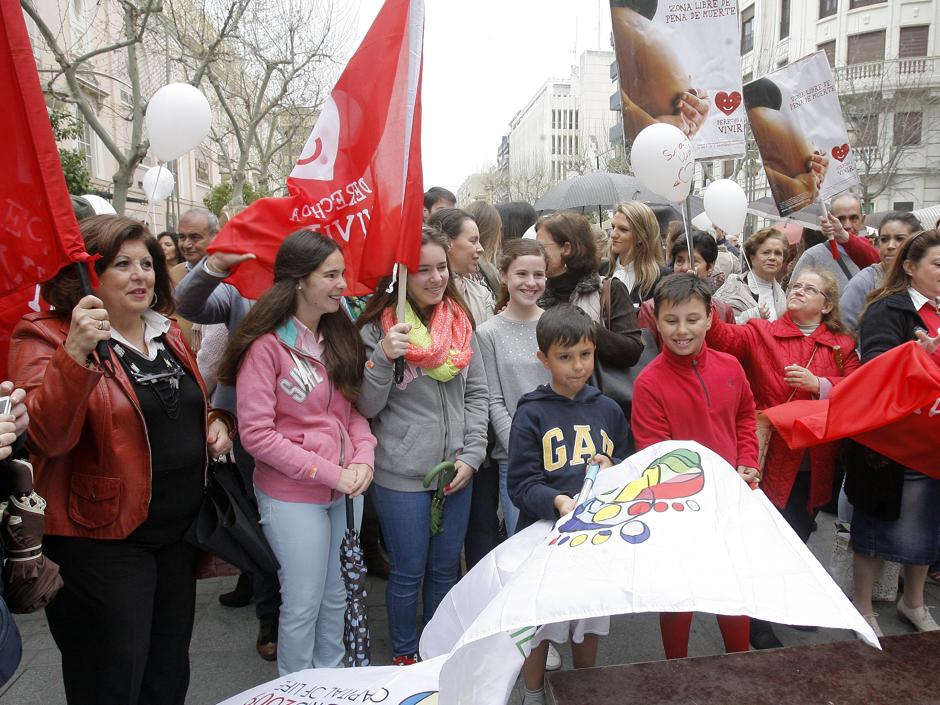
(808, 288)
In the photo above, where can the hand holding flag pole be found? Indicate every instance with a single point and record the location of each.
(831, 239)
(400, 316)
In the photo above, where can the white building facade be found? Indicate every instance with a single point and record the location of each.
(564, 128)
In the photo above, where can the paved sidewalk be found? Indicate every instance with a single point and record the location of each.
(224, 660)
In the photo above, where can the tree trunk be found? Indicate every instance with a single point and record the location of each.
(238, 182)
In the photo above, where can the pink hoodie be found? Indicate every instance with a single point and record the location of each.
(293, 421)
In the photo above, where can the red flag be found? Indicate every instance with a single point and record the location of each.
(358, 178)
(891, 405)
(39, 231)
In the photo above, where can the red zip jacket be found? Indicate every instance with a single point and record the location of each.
(704, 398)
(764, 348)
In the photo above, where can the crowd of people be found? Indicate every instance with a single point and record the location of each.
(529, 349)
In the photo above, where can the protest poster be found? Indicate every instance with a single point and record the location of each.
(680, 63)
(797, 122)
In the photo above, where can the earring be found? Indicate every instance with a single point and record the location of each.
(154, 302)
(299, 287)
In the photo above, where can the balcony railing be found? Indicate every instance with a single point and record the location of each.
(921, 70)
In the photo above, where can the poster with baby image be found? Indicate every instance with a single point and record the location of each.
(796, 120)
(680, 63)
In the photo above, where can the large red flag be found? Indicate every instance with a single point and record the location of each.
(358, 178)
(39, 231)
(891, 405)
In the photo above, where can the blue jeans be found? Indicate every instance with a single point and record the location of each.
(306, 539)
(414, 556)
(510, 512)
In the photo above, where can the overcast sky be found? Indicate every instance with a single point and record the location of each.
(483, 61)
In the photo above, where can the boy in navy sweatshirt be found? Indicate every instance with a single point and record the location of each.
(557, 431)
(690, 392)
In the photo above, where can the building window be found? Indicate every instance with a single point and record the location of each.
(553, 144)
(854, 4)
(865, 130)
(554, 120)
(747, 30)
(784, 19)
(828, 8)
(576, 119)
(913, 41)
(830, 49)
(907, 129)
(748, 77)
(866, 47)
(202, 169)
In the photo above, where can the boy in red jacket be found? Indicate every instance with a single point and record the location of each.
(692, 393)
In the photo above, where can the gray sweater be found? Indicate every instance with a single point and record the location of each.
(425, 422)
(508, 348)
(852, 301)
(205, 299)
(819, 257)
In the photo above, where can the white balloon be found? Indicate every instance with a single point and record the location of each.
(726, 205)
(702, 222)
(99, 205)
(158, 184)
(662, 160)
(178, 120)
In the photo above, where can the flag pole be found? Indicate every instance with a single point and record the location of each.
(400, 317)
(102, 348)
(687, 217)
(833, 246)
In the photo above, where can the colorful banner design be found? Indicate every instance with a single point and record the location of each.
(358, 178)
(680, 63)
(673, 528)
(901, 421)
(797, 122)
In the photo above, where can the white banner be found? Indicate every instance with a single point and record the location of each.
(680, 63)
(796, 119)
(671, 529)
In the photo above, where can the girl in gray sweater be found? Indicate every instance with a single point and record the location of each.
(508, 346)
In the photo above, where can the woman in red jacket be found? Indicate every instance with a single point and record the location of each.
(801, 355)
(121, 461)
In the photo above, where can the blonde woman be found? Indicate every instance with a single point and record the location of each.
(636, 256)
(490, 225)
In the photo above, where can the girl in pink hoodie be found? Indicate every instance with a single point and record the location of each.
(297, 361)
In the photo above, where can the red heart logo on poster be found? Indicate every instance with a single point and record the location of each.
(727, 102)
(841, 153)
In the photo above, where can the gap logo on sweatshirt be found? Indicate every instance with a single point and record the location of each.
(555, 447)
(303, 379)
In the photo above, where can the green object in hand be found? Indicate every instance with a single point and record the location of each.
(445, 473)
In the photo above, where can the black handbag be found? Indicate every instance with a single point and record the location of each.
(614, 382)
(227, 524)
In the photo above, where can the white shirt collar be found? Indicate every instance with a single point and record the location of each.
(919, 299)
(155, 325)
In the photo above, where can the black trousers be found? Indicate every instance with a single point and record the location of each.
(483, 529)
(124, 620)
(800, 520)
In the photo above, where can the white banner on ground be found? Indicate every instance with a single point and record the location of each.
(672, 528)
(370, 685)
(680, 63)
(797, 122)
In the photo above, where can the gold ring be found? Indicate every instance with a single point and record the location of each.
(100, 325)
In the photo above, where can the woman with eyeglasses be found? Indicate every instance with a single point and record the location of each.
(801, 355)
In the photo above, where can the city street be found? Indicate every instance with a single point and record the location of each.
(224, 661)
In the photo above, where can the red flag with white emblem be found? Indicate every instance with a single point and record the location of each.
(891, 405)
(358, 178)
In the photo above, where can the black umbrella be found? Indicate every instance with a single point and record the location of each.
(356, 636)
(596, 189)
(30, 579)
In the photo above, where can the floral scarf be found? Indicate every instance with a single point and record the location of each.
(441, 348)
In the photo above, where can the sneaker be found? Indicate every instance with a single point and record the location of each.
(872, 620)
(553, 660)
(918, 617)
(405, 660)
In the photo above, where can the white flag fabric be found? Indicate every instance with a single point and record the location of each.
(389, 685)
(671, 529)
